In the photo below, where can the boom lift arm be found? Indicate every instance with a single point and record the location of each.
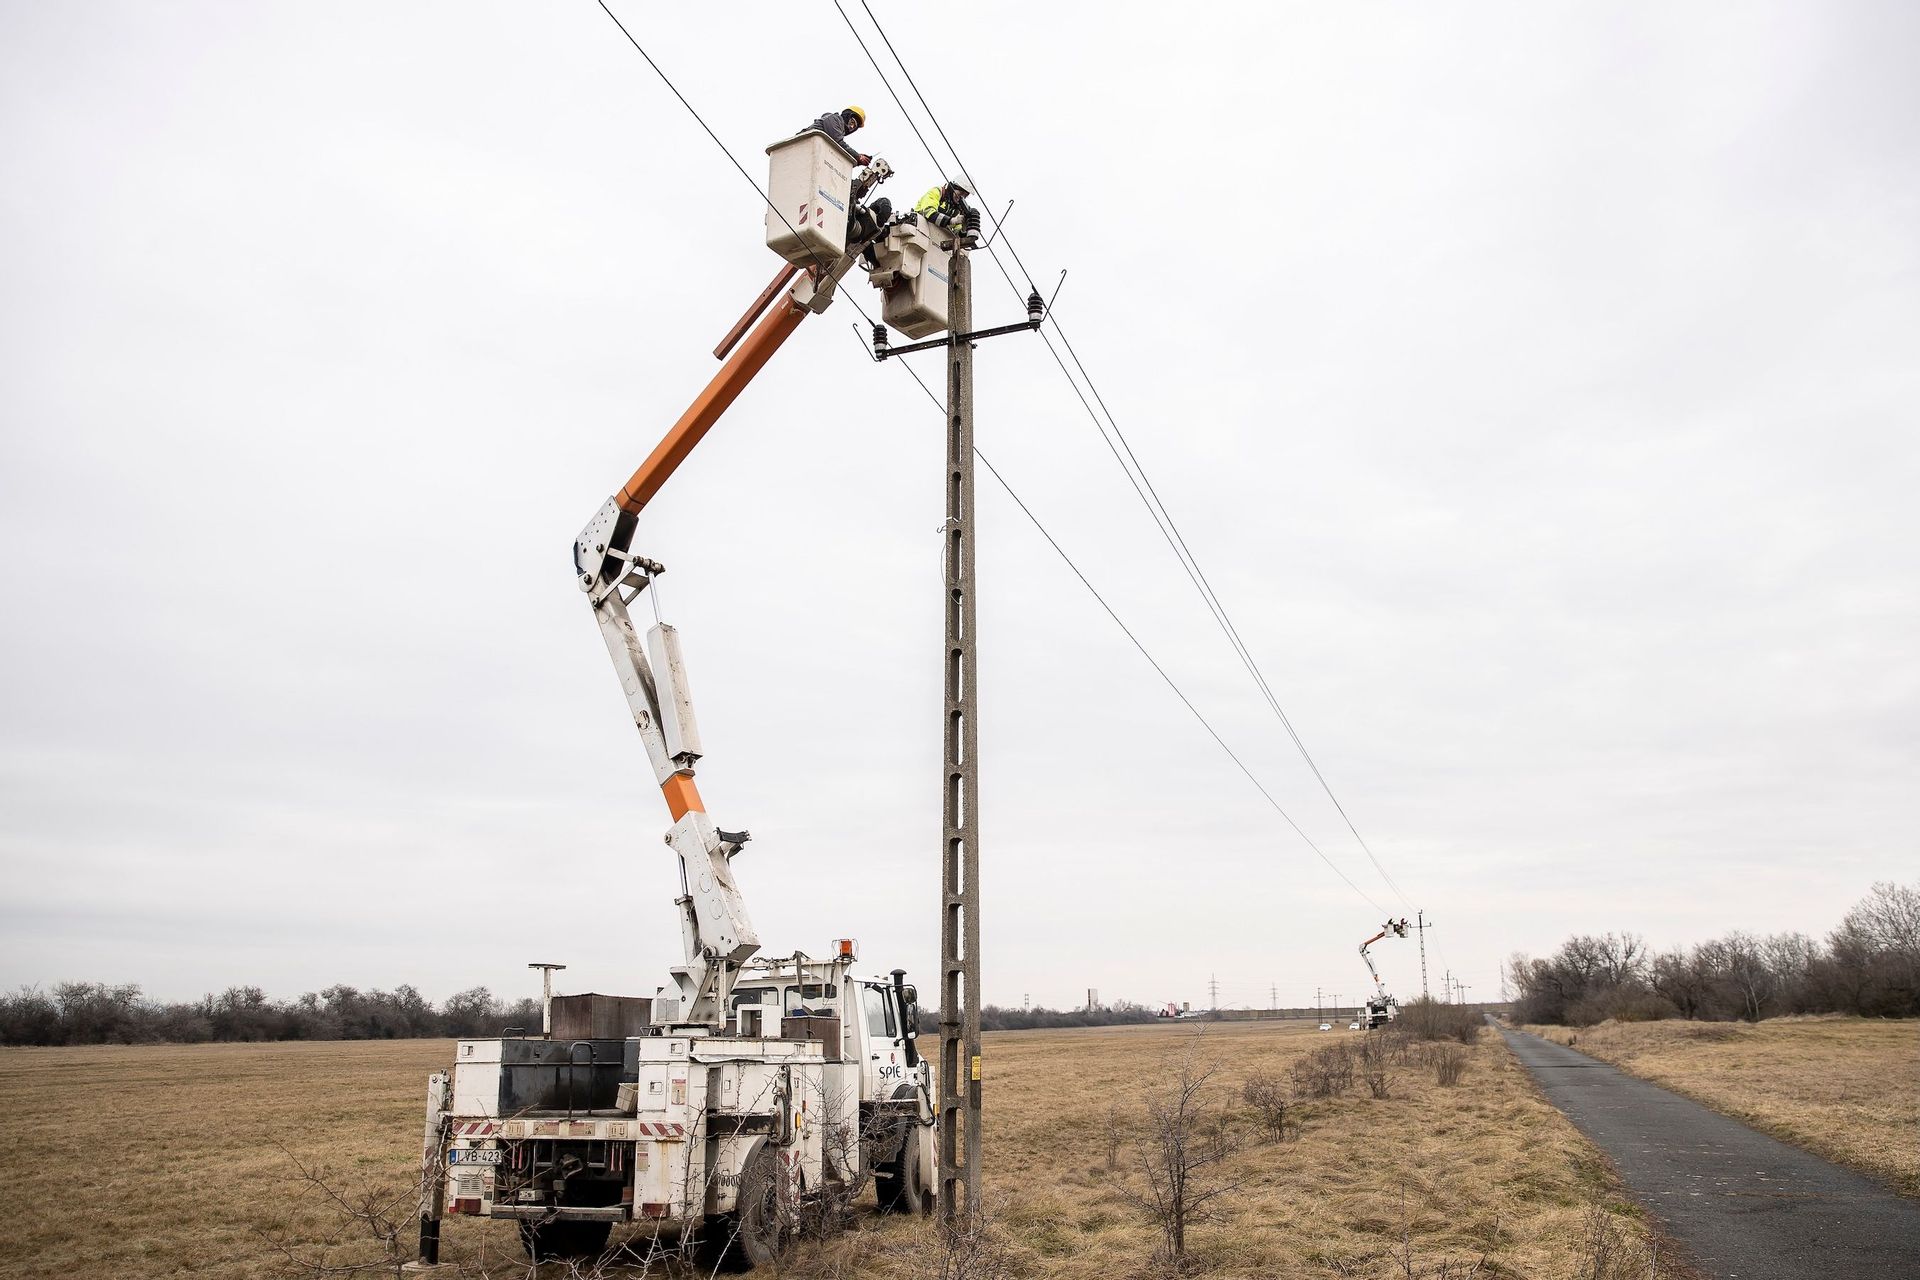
(1398, 928)
(717, 935)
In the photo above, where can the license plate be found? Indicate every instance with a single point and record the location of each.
(477, 1155)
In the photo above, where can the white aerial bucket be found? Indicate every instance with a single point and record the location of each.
(913, 273)
(809, 187)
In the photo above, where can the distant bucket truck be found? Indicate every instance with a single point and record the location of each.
(758, 1091)
(1380, 1007)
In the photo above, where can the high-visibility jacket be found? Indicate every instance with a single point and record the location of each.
(931, 204)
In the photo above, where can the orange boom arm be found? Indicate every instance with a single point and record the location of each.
(707, 407)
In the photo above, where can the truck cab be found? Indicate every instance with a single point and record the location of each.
(873, 1019)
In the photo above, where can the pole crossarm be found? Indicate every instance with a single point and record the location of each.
(883, 349)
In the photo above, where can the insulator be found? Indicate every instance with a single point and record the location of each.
(879, 337)
(1035, 308)
(973, 223)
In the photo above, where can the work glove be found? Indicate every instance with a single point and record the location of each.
(864, 159)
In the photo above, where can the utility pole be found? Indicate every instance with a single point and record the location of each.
(1213, 992)
(1446, 987)
(1273, 998)
(959, 1134)
(1421, 916)
(1318, 1016)
(959, 1115)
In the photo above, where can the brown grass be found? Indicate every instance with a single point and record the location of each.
(1846, 1088)
(162, 1161)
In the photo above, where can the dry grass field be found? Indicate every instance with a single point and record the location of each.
(1847, 1088)
(178, 1161)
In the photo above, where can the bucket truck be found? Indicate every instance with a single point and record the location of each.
(1380, 1008)
(759, 1090)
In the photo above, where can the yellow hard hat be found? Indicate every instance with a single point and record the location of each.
(858, 113)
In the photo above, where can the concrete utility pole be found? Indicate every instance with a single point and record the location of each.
(1446, 987)
(1318, 1016)
(546, 994)
(959, 1133)
(959, 1116)
(1421, 916)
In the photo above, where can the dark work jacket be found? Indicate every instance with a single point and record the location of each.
(834, 125)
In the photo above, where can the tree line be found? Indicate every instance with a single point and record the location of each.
(1869, 965)
(995, 1017)
(106, 1013)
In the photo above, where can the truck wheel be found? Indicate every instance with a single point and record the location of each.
(899, 1184)
(759, 1216)
(546, 1241)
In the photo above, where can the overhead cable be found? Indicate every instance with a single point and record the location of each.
(993, 471)
(1149, 496)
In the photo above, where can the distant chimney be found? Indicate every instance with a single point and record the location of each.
(1093, 999)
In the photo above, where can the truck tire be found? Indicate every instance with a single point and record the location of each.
(899, 1183)
(761, 1216)
(755, 1233)
(547, 1241)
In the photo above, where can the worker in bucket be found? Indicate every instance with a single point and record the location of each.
(864, 222)
(945, 206)
(838, 124)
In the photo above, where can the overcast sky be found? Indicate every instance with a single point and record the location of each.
(1536, 384)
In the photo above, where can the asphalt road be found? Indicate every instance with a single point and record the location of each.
(1745, 1205)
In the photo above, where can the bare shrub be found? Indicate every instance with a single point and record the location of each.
(1608, 1253)
(973, 1248)
(1325, 1073)
(1267, 1095)
(1448, 1063)
(1374, 1052)
(1113, 1136)
(1185, 1138)
(1426, 1019)
(364, 1215)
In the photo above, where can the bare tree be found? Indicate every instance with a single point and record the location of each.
(1185, 1141)
(973, 1248)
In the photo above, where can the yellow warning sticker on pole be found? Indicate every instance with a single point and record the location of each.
(976, 1066)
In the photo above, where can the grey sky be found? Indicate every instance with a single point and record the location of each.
(1536, 383)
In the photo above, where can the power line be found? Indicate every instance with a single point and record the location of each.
(731, 159)
(904, 113)
(1153, 662)
(937, 128)
(1149, 497)
(1161, 672)
(992, 470)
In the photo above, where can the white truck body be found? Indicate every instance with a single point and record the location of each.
(812, 1075)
